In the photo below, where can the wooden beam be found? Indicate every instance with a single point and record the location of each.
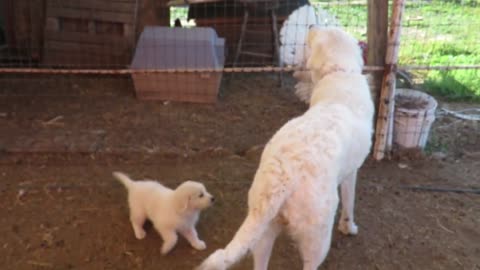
(385, 119)
(9, 22)
(87, 38)
(89, 15)
(377, 28)
(87, 49)
(377, 40)
(94, 5)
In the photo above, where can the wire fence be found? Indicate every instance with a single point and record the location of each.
(81, 34)
(178, 51)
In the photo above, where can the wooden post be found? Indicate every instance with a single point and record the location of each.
(9, 22)
(384, 128)
(151, 12)
(376, 41)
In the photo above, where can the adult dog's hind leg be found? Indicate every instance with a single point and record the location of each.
(314, 243)
(263, 249)
(347, 224)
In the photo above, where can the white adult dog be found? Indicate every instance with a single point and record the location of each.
(170, 211)
(295, 186)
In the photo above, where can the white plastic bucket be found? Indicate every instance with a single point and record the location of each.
(414, 116)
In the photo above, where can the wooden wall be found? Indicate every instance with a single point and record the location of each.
(89, 33)
(78, 32)
(103, 33)
(226, 18)
(230, 28)
(152, 12)
(24, 28)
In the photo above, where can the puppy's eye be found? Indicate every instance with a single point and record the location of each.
(201, 195)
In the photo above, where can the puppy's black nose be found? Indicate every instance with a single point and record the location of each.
(212, 199)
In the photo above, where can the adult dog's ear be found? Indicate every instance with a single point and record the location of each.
(316, 35)
(312, 34)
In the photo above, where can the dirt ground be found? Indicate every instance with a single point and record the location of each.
(60, 139)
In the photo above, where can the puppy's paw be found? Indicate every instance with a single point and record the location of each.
(166, 248)
(216, 261)
(164, 251)
(348, 227)
(199, 245)
(140, 234)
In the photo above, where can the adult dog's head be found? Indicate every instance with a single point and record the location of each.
(332, 49)
(192, 196)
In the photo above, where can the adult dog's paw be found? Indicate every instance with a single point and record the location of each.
(348, 227)
(216, 261)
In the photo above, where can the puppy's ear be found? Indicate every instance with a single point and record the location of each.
(182, 201)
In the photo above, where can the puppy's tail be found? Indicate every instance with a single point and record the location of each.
(124, 179)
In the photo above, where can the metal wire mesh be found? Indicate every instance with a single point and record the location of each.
(62, 41)
(85, 34)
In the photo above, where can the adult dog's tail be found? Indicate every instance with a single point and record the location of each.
(124, 179)
(268, 198)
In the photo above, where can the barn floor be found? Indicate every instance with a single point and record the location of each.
(61, 139)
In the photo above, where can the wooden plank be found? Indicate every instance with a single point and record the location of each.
(24, 21)
(72, 60)
(119, 1)
(85, 49)
(257, 54)
(94, 5)
(106, 40)
(107, 28)
(74, 25)
(90, 15)
(377, 40)
(151, 12)
(223, 21)
(9, 22)
(37, 23)
(384, 128)
(81, 58)
(52, 24)
(129, 31)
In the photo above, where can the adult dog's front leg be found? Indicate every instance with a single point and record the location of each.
(347, 224)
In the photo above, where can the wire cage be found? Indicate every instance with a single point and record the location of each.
(86, 34)
(74, 45)
(438, 55)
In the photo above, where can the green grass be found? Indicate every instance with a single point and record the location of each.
(446, 34)
(436, 33)
(459, 85)
(180, 13)
(435, 144)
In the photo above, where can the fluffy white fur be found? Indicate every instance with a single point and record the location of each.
(296, 185)
(170, 211)
(294, 50)
(304, 85)
(295, 30)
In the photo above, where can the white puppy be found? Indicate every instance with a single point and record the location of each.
(170, 211)
(295, 186)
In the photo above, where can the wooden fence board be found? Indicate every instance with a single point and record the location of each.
(95, 5)
(89, 15)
